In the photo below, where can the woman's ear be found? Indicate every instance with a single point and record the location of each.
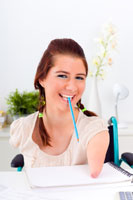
(42, 82)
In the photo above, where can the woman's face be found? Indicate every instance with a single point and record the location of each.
(65, 79)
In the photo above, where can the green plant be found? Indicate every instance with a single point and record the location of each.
(22, 103)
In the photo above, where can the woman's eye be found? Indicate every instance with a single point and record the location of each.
(79, 78)
(61, 76)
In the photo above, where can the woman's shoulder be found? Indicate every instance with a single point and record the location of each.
(21, 128)
(25, 120)
(88, 119)
(91, 121)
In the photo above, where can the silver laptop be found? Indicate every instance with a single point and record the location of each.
(124, 195)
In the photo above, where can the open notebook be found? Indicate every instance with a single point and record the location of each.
(75, 175)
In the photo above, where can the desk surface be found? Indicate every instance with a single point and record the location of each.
(17, 181)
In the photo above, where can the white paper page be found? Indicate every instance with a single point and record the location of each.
(72, 175)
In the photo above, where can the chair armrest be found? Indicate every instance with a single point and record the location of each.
(128, 158)
(18, 161)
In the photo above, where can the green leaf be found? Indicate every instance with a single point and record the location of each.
(22, 103)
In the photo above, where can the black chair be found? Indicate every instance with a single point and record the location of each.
(18, 162)
(112, 154)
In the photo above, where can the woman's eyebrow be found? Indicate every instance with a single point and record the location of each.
(62, 72)
(79, 74)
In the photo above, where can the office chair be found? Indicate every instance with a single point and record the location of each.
(18, 162)
(112, 154)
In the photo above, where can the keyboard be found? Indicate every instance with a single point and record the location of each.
(126, 195)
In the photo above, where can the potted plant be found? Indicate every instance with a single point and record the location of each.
(20, 104)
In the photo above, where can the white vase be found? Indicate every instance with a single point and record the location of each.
(94, 100)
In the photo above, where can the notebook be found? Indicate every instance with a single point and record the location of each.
(76, 176)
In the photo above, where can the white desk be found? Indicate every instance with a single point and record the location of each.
(17, 181)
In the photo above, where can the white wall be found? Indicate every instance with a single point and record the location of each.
(27, 26)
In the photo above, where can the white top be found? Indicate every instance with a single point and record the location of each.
(21, 131)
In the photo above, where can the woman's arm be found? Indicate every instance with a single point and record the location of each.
(96, 152)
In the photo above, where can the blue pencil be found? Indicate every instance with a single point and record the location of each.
(75, 127)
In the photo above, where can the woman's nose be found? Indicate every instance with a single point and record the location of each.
(71, 85)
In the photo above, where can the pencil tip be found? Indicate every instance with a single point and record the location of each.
(78, 139)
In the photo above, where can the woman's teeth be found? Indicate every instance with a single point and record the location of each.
(65, 97)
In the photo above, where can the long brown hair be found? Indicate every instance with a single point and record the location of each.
(58, 46)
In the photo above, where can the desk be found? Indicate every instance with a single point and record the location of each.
(17, 181)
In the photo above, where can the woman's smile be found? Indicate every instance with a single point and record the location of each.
(65, 97)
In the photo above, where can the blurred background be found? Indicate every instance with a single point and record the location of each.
(27, 27)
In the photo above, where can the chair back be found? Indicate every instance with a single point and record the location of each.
(112, 154)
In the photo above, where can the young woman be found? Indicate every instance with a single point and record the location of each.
(47, 137)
